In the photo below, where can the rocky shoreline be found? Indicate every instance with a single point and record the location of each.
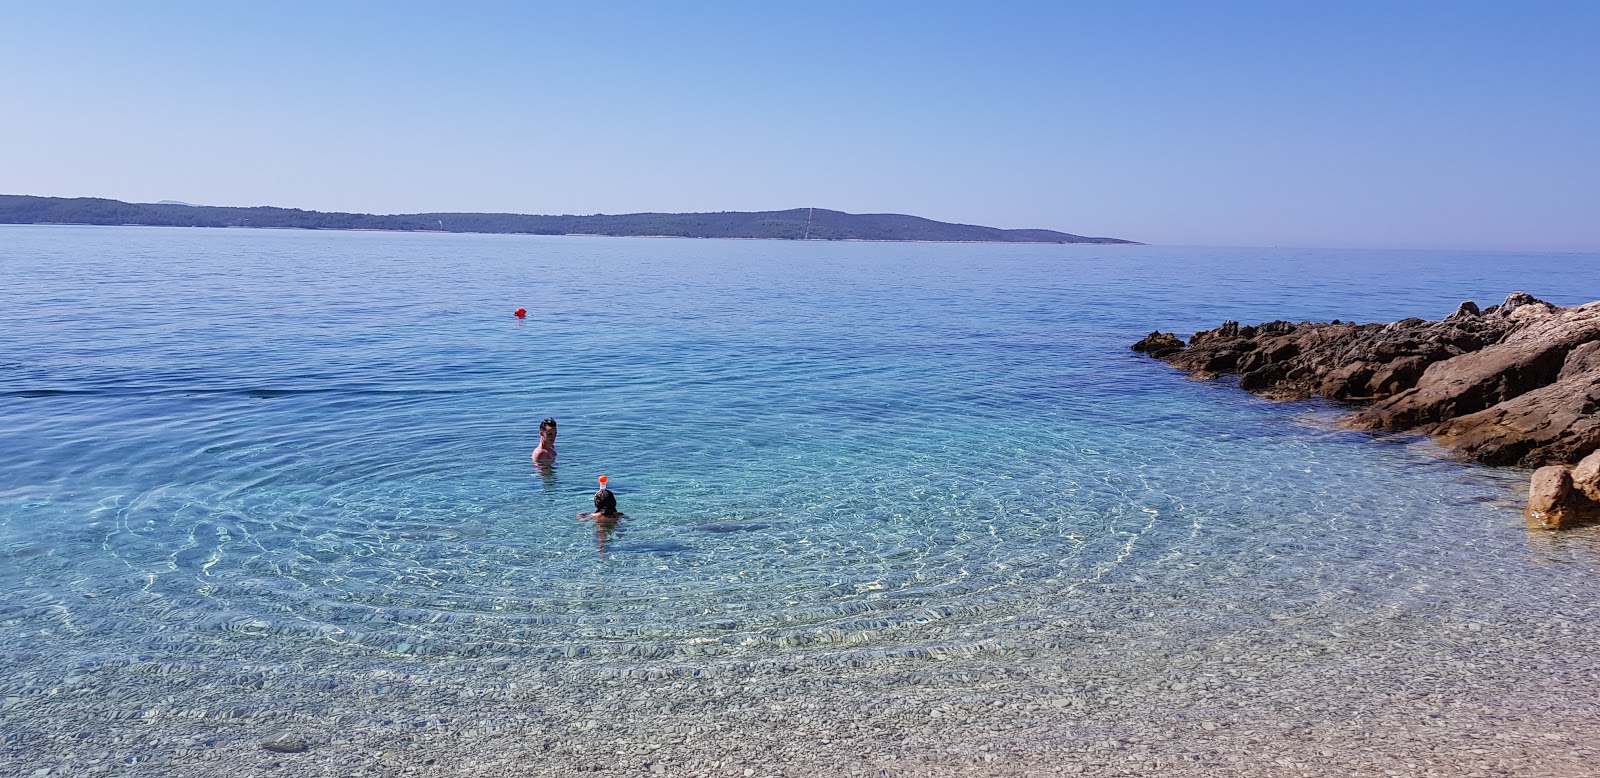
(1516, 383)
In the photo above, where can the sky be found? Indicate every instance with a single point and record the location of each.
(1395, 124)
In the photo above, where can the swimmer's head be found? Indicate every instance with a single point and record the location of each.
(547, 428)
(605, 501)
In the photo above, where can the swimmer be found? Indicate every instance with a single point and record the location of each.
(605, 517)
(605, 509)
(545, 454)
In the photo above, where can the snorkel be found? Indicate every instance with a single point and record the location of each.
(605, 501)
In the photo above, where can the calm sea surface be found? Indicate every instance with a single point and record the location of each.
(251, 471)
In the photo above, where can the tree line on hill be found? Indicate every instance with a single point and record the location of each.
(794, 224)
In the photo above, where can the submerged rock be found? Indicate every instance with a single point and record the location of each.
(1515, 383)
(285, 743)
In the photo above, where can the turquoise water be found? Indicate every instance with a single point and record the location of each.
(305, 455)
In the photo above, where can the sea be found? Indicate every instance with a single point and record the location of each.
(263, 479)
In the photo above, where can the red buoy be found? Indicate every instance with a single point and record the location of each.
(522, 313)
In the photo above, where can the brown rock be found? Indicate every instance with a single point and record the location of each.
(1552, 424)
(1466, 384)
(1466, 310)
(1159, 344)
(1586, 478)
(1583, 359)
(1517, 382)
(1517, 301)
(1396, 376)
(1347, 382)
(1531, 356)
(1549, 499)
(1339, 361)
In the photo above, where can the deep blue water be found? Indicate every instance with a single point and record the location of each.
(229, 443)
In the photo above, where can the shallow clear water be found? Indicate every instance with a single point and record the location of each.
(227, 449)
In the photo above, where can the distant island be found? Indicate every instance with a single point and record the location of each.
(794, 224)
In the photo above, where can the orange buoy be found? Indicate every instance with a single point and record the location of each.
(522, 313)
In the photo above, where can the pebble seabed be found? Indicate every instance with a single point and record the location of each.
(1138, 682)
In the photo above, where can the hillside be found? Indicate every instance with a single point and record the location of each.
(795, 224)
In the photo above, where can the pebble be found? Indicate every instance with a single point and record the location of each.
(916, 715)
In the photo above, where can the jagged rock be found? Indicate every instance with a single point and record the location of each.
(1514, 383)
(1518, 300)
(1586, 477)
(1468, 309)
(1339, 361)
(1159, 344)
(1550, 498)
(1583, 359)
(1555, 423)
(1559, 498)
(1528, 357)
(1518, 382)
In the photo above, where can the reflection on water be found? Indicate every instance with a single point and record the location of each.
(1580, 546)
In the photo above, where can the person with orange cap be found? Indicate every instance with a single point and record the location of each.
(605, 516)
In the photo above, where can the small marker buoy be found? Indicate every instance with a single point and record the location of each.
(521, 313)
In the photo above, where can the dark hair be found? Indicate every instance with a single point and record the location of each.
(547, 423)
(605, 501)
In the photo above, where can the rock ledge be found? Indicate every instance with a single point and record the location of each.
(1513, 384)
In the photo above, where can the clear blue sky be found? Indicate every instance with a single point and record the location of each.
(1383, 124)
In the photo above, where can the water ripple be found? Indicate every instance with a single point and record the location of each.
(888, 457)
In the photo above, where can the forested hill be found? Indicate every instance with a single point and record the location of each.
(796, 224)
